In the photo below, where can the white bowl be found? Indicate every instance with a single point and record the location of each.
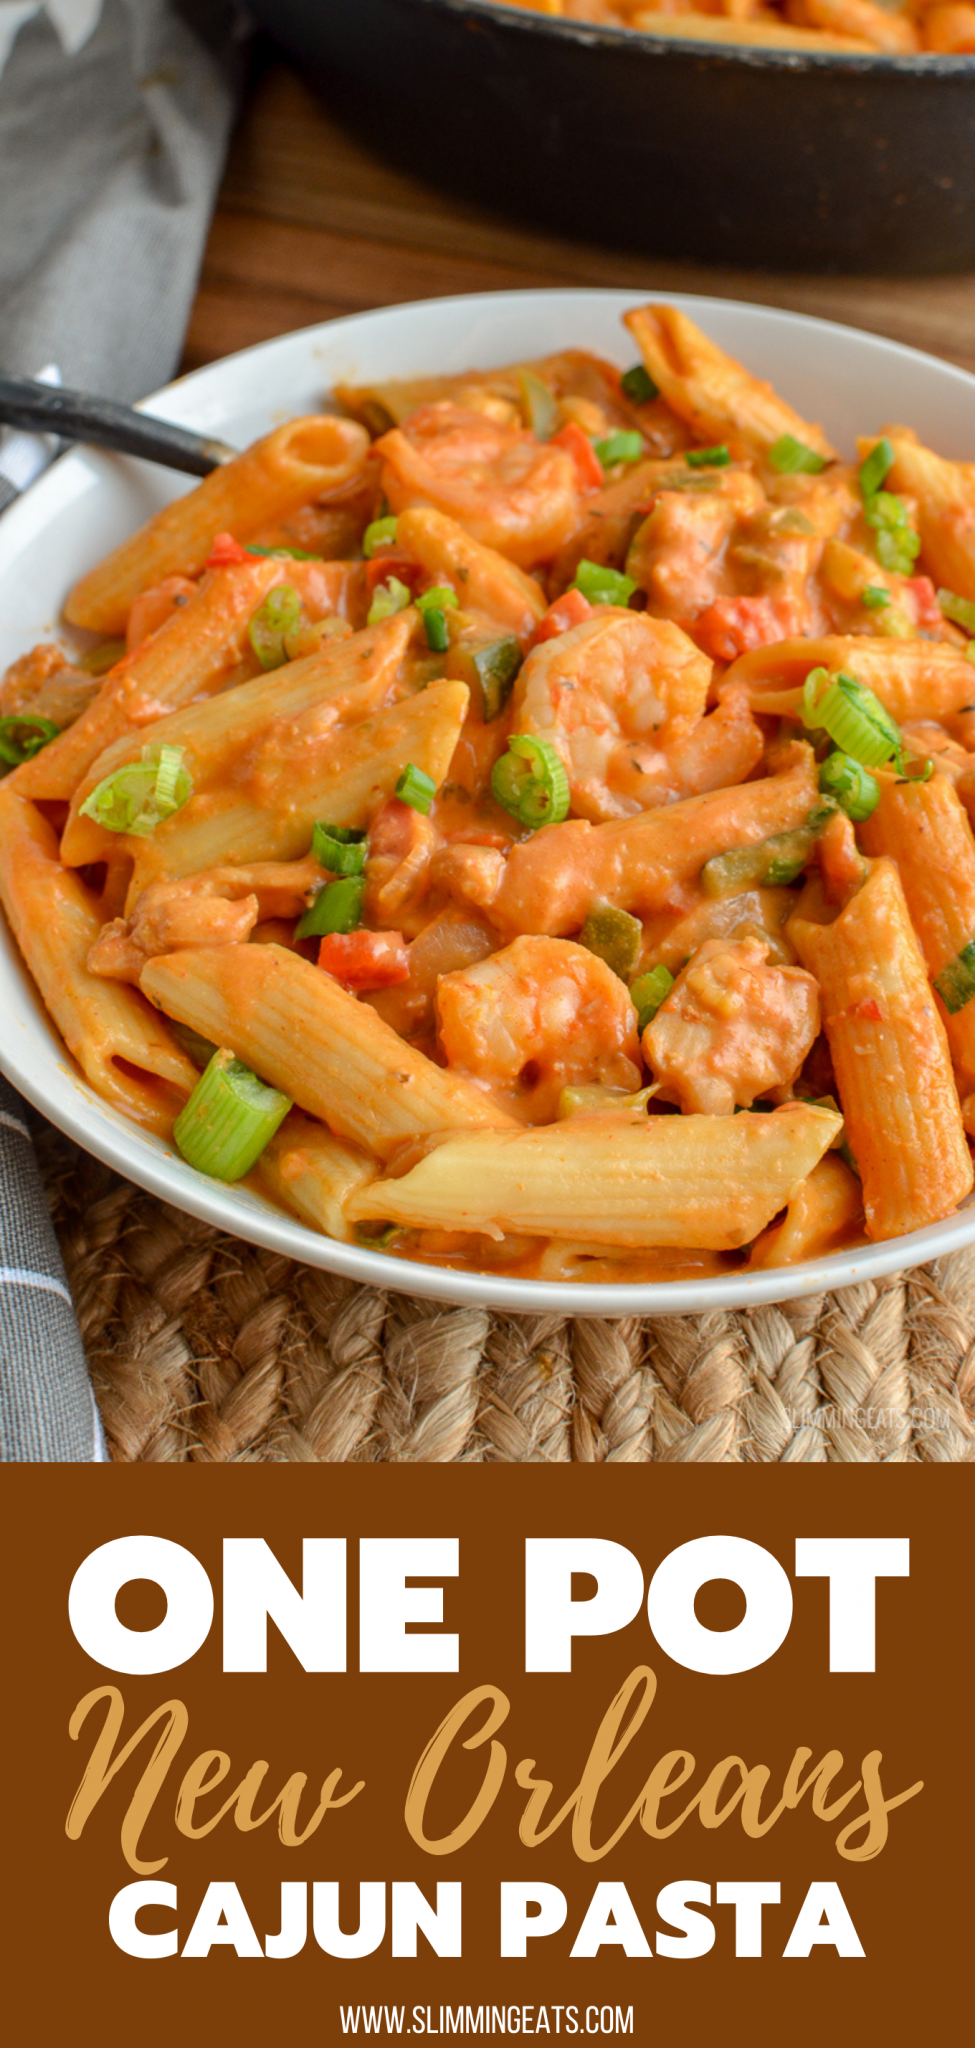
(84, 505)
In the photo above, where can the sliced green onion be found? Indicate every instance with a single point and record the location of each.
(416, 788)
(875, 597)
(960, 610)
(389, 598)
(956, 982)
(341, 855)
(626, 445)
(347, 835)
(530, 781)
(614, 936)
(433, 607)
(491, 669)
(380, 533)
(441, 599)
(773, 863)
(337, 908)
(285, 554)
(854, 718)
(539, 404)
(855, 789)
(141, 795)
(638, 385)
(272, 622)
(99, 660)
(898, 546)
(709, 458)
(602, 585)
(36, 733)
(875, 467)
(229, 1119)
(648, 992)
(378, 1240)
(793, 458)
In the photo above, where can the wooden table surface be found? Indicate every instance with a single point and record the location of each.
(311, 224)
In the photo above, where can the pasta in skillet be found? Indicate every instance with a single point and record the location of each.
(527, 821)
(946, 26)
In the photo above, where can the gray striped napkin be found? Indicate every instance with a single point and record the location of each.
(114, 118)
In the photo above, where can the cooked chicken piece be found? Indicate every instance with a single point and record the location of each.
(733, 1026)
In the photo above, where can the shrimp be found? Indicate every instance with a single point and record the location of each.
(609, 694)
(732, 1027)
(535, 1018)
(509, 490)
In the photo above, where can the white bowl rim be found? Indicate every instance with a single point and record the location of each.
(127, 1149)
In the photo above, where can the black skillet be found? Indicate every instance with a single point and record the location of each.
(756, 157)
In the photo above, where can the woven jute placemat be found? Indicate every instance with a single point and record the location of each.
(209, 1350)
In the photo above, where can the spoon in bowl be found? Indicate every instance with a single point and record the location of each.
(37, 408)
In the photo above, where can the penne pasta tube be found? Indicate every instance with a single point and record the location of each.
(913, 678)
(823, 1215)
(890, 1056)
(315, 1174)
(195, 656)
(710, 1182)
(640, 864)
(304, 1033)
(295, 465)
(482, 579)
(721, 401)
(121, 1046)
(923, 826)
(945, 496)
(345, 680)
(342, 774)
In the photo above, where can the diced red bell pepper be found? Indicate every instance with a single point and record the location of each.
(589, 469)
(568, 610)
(226, 552)
(928, 612)
(365, 960)
(734, 625)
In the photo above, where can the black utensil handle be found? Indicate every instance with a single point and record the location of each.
(79, 416)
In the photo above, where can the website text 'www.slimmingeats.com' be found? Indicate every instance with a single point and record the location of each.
(486, 2019)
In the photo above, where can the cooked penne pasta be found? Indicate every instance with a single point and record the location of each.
(924, 828)
(315, 1174)
(343, 774)
(708, 1182)
(196, 656)
(891, 1057)
(298, 463)
(913, 678)
(720, 400)
(821, 1216)
(523, 878)
(641, 863)
(481, 579)
(122, 1047)
(945, 495)
(313, 1039)
(345, 681)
